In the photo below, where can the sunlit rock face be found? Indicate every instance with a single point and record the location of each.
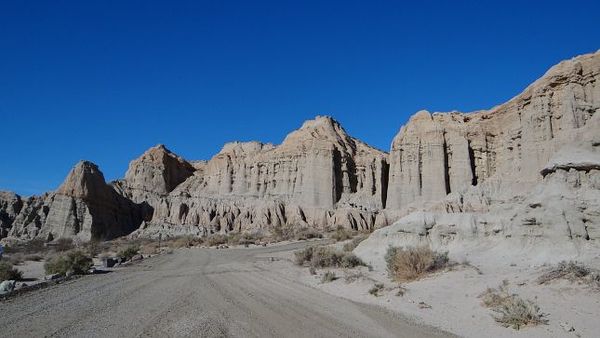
(436, 154)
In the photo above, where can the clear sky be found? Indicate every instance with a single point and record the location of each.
(105, 80)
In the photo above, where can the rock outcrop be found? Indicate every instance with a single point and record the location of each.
(526, 169)
(319, 176)
(436, 154)
(84, 207)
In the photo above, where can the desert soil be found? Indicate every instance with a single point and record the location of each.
(200, 292)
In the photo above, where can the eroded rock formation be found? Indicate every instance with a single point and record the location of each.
(461, 172)
(436, 154)
(84, 207)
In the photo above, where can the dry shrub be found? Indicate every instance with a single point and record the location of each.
(149, 248)
(303, 234)
(376, 289)
(573, 272)
(328, 276)
(128, 253)
(63, 244)
(184, 242)
(77, 262)
(512, 310)
(350, 246)
(353, 276)
(324, 257)
(288, 232)
(216, 239)
(414, 263)
(342, 234)
(7, 272)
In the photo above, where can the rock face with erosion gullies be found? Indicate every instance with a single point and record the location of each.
(319, 176)
(543, 205)
(436, 154)
(84, 207)
(523, 174)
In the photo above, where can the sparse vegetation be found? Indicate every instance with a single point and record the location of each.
(63, 244)
(573, 272)
(350, 246)
(414, 263)
(342, 234)
(513, 311)
(216, 239)
(288, 232)
(7, 272)
(353, 276)
(128, 253)
(328, 276)
(75, 261)
(324, 257)
(376, 289)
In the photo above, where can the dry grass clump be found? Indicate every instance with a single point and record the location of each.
(288, 233)
(216, 239)
(414, 263)
(342, 234)
(77, 262)
(63, 244)
(513, 311)
(376, 289)
(353, 276)
(7, 272)
(324, 257)
(328, 276)
(350, 246)
(573, 272)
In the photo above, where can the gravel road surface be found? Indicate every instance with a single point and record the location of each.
(198, 293)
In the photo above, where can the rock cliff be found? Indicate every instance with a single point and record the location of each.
(436, 154)
(84, 207)
(319, 176)
(468, 176)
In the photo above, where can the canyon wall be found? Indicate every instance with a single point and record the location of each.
(319, 176)
(435, 154)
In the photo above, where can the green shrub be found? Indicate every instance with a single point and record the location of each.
(413, 263)
(76, 261)
(7, 272)
(127, 253)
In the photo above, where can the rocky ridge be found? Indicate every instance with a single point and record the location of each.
(463, 171)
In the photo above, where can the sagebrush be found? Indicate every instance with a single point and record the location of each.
(407, 264)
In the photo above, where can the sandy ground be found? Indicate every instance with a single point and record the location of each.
(252, 292)
(450, 300)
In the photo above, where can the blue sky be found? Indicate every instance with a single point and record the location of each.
(105, 80)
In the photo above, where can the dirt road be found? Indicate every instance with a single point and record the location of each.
(198, 293)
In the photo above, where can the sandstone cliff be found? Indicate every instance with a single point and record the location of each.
(465, 168)
(84, 207)
(319, 176)
(436, 154)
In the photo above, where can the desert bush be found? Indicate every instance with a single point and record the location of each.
(94, 247)
(413, 263)
(7, 272)
(63, 244)
(342, 234)
(350, 246)
(303, 234)
(149, 249)
(376, 289)
(216, 239)
(353, 276)
(512, 310)
(328, 276)
(33, 246)
(324, 257)
(573, 272)
(128, 253)
(76, 261)
(182, 242)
